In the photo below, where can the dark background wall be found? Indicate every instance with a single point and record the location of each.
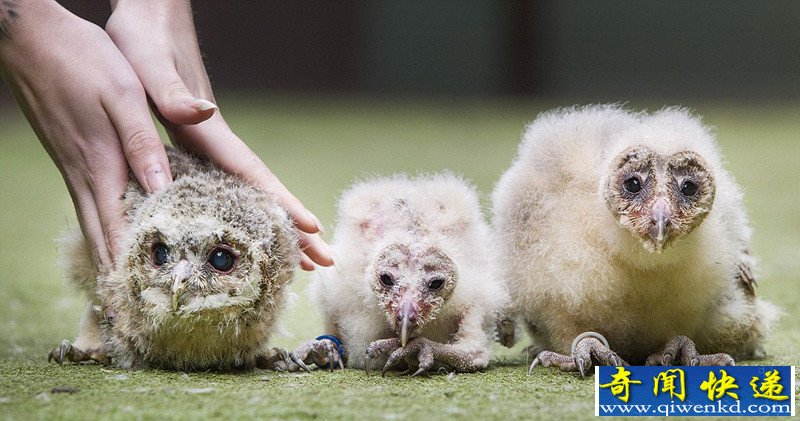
(616, 49)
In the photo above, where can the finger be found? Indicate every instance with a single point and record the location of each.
(171, 96)
(143, 148)
(306, 264)
(156, 67)
(109, 174)
(316, 249)
(214, 139)
(96, 185)
(89, 220)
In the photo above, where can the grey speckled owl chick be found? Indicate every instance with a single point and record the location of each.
(199, 280)
(414, 283)
(628, 225)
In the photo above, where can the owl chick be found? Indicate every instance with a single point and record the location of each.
(199, 280)
(414, 283)
(628, 225)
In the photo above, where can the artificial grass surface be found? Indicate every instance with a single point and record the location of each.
(317, 147)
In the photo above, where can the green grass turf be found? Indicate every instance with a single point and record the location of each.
(317, 147)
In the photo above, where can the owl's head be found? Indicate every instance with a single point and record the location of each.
(659, 197)
(412, 282)
(209, 248)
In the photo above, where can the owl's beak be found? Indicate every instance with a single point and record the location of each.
(409, 315)
(404, 330)
(659, 225)
(180, 274)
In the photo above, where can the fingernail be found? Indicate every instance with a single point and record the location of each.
(202, 105)
(333, 256)
(316, 222)
(156, 178)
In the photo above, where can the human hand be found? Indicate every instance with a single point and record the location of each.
(158, 39)
(88, 109)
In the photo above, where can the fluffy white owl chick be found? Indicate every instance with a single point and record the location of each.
(414, 283)
(628, 225)
(199, 280)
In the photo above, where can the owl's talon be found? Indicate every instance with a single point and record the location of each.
(533, 365)
(321, 352)
(275, 359)
(580, 366)
(587, 351)
(332, 360)
(299, 362)
(422, 354)
(339, 361)
(506, 332)
(58, 354)
(683, 350)
(67, 352)
(418, 372)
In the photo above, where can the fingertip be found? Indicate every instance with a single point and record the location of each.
(306, 221)
(203, 109)
(325, 260)
(306, 264)
(317, 223)
(157, 178)
(202, 105)
(188, 111)
(331, 258)
(320, 253)
(315, 249)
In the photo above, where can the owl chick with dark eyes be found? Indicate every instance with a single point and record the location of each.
(198, 283)
(626, 240)
(414, 285)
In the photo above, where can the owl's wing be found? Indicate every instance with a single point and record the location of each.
(744, 274)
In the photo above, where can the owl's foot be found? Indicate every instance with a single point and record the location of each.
(682, 350)
(379, 348)
(322, 352)
(276, 359)
(68, 352)
(587, 349)
(506, 332)
(424, 353)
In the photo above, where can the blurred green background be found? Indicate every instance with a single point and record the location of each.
(327, 92)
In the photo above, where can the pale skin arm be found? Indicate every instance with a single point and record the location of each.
(158, 40)
(89, 109)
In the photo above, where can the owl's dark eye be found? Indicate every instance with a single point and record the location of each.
(387, 280)
(688, 188)
(633, 184)
(221, 259)
(436, 283)
(160, 254)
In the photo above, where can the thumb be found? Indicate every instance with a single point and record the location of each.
(176, 103)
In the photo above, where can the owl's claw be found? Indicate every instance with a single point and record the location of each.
(381, 347)
(506, 332)
(68, 352)
(59, 354)
(423, 354)
(277, 359)
(321, 352)
(299, 362)
(682, 350)
(586, 351)
(533, 365)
